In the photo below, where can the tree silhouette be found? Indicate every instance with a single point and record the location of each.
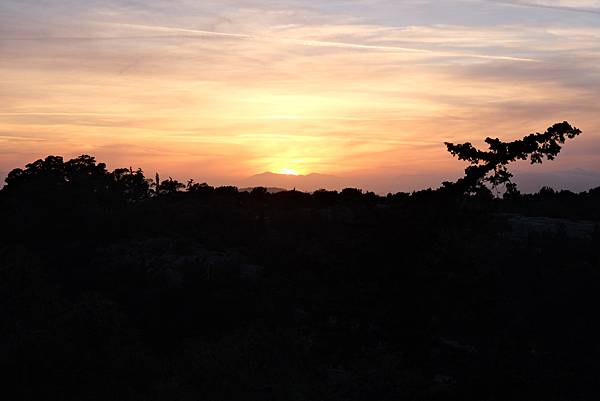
(53, 174)
(131, 183)
(78, 179)
(491, 166)
(169, 187)
(199, 189)
(47, 172)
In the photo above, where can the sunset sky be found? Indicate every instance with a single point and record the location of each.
(367, 89)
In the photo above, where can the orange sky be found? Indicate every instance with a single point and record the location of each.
(223, 90)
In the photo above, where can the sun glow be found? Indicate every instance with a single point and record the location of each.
(288, 171)
(342, 90)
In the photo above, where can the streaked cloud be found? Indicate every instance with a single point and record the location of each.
(225, 89)
(580, 6)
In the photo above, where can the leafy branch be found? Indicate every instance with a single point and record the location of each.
(490, 167)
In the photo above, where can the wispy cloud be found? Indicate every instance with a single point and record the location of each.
(235, 87)
(585, 6)
(185, 33)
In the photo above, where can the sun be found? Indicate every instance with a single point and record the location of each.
(288, 171)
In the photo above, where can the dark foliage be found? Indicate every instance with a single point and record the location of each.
(491, 166)
(115, 287)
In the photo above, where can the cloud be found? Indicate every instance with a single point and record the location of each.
(584, 6)
(185, 33)
(231, 88)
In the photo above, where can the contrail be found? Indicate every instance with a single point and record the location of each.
(321, 43)
(192, 33)
(532, 4)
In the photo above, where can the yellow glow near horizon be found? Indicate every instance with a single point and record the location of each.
(295, 92)
(288, 171)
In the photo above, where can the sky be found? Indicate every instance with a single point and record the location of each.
(367, 90)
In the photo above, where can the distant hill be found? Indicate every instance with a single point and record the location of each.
(307, 183)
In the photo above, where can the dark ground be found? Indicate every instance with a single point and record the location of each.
(110, 290)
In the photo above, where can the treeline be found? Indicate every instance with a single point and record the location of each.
(82, 180)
